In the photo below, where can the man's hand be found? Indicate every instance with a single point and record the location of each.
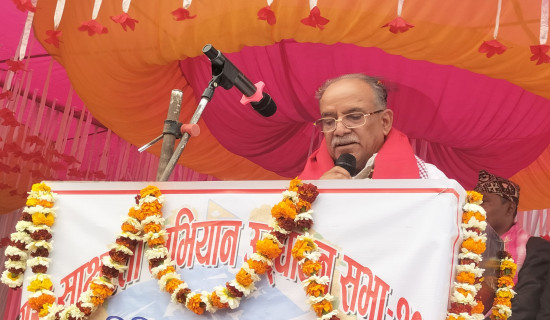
(336, 172)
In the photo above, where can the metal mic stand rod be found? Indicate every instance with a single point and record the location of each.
(206, 97)
(171, 125)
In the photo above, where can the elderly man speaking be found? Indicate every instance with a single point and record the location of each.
(355, 120)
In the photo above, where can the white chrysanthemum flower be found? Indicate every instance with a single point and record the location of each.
(12, 283)
(173, 296)
(35, 245)
(52, 311)
(313, 256)
(474, 208)
(304, 216)
(20, 236)
(161, 267)
(14, 251)
(156, 252)
(478, 272)
(477, 316)
(38, 293)
(205, 298)
(474, 223)
(292, 195)
(130, 236)
(470, 255)
(504, 310)
(508, 290)
(155, 235)
(466, 286)
(22, 225)
(226, 297)
(306, 237)
(15, 264)
(105, 282)
(245, 290)
(42, 195)
(149, 199)
(107, 261)
(40, 209)
(460, 298)
(166, 278)
(274, 239)
(320, 280)
(328, 316)
(121, 248)
(40, 277)
(153, 219)
(34, 228)
(314, 300)
(474, 235)
(73, 312)
(86, 298)
(275, 226)
(258, 257)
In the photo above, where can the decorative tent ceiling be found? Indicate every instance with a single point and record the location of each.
(469, 82)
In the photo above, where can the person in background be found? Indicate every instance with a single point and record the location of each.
(500, 201)
(355, 120)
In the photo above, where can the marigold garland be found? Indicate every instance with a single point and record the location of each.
(145, 223)
(502, 305)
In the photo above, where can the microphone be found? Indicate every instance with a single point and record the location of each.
(230, 75)
(346, 161)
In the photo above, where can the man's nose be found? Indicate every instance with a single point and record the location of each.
(341, 129)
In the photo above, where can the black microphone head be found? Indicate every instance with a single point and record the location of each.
(266, 106)
(346, 161)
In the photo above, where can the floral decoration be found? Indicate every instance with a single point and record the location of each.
(182, 14)
(465, 304)
(53, 37)
(540, 53)
(492, 47)
(125, 20)
(93, 27)
(398, 25)
(315, 19)
(267, 14)
(502, 305)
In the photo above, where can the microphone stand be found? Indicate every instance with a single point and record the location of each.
(205, 98)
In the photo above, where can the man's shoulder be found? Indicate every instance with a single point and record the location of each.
(428, 170)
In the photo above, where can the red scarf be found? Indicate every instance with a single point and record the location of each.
(395, 160)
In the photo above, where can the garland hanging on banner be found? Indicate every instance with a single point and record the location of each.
(145, 223)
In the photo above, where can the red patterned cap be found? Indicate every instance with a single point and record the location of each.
(489, 183)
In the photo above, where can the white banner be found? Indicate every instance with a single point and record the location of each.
(389, 247)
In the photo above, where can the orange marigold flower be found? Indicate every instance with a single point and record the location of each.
(478, 308)
(268, 248)
(44, 311)
(310, 268)
(216, 302)
(322, 307)
(300, 248)
(284, 209)
(504, 294)
(303, 206)
(503, 301)
(45, 203)
(466, 277)
(509, 266)
(150, 190)
(96, 301)
(165, 271)
(172, 285)
(126, 227)
(315, 289)
(505, 281)
(195, 304)
(474, 196)
(100, 290)
(466, 216)
(244, 278)
(135, 214)
(155, 242)
(259, 267)
(152, 227)
(294, 184)
(41, 187)
(31, 202)
(463, 292)
(37, 302)
(474, 246)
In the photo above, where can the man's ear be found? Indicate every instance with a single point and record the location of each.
(510, 208)
(387, 121)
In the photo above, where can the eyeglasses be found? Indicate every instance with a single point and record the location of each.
(350, 121)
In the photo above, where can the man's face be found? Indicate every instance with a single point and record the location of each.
(499, 214)
(353, 95)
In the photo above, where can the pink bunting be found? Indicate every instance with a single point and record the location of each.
(8, 118)
(267, 14)
(398, 25)
(539, 52)
(6, 95)
(315, 20)
(24, 5)
(182, 14)
(35, 140)
(15, 65)
(492, 47)
(53, 37)
(93, 27)
(125, 20)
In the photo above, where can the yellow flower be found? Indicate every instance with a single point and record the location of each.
(100, 291)
(150, 190)
(284, 209)
(466, 277)
(39, 218)
(44, 311)
(268, 248)
(294, 184)
(322, 307)
(503, 301)
(509, 266)
(300, 248)
(315, 289)
(505, 281)
(244, 278)
(41, 187)
(310, 268)
(474, 197)
(36, 285)
(504, 294)
(474, 246)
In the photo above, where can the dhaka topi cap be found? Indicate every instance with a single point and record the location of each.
(489, 183)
